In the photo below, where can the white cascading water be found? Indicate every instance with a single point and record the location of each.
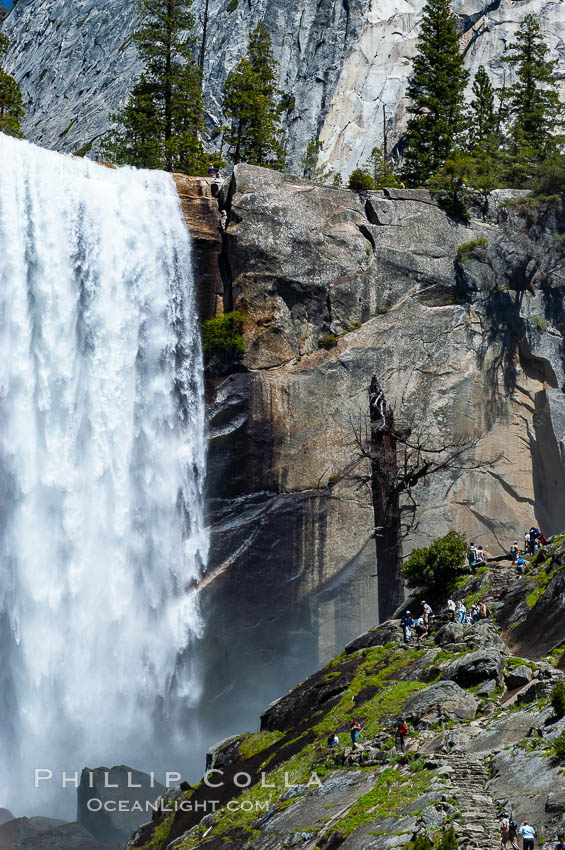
(102, 460)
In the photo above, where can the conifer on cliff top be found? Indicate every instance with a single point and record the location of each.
(435, 93)
(11, 102)
(160, 123)
(253, 106)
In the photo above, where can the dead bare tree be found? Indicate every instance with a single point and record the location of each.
(204, 40)
(400, 457)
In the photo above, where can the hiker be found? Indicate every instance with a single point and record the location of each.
(461, 611)
(400, 732)
(472, 556)
(543, 540)
(421, 630)
(355, 730)
(527, 542)
(481, 555)
(333, 740)
(508, 829)
(528, 833)
(451, 610)
(407, 622)
(427, 613)
(483, 611)
(520, 565)
(514, 552)
(211, 171)
(513, 833)
(560, 842)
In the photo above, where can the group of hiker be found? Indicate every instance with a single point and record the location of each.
(400, 732)
(509, 832)
(459, 611)
(533, 541)
(456, 611)
(420, 625)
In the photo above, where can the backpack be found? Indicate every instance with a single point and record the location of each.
(402, 729)
(513, 824)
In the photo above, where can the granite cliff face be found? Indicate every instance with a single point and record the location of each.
(466, 344)
(341, 62)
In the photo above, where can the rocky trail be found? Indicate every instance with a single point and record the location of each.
(480, 826)
(481, 737)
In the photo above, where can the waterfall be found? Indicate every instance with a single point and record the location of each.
(102, 458)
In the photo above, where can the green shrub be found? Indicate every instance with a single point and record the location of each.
(473, 248)
(558, 699)
(360, 180)
(223, 341)
(550, 176)
(559, 747)
(421, 842)
(232, 5)
(540, 323)
(447, 840)
(327, 341)
(439, 565)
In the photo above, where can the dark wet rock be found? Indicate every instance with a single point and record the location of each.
(320, 691)
(379, 636)
(223, 753)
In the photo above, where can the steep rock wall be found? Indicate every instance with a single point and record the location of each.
(340, 60)
(463, 349)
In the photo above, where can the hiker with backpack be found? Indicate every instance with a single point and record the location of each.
(451, 610)
(400, 732)
(560, 842)
(461, 612)
(406, 623)
(514, 552)
(508, 833)
(421, 630)
(528, 834)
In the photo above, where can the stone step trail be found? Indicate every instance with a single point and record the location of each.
(480, 827)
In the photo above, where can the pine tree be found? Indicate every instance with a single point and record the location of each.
(160, 124)
(484, 138)
(11, 102)
(483, 131)
(435, 92)
(309, 160)
(450, 184)
(381, 172)
(532, 101)
(253, 106)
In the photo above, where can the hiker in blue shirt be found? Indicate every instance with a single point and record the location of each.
(528, 833)
(560, 843)
(407, 622)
